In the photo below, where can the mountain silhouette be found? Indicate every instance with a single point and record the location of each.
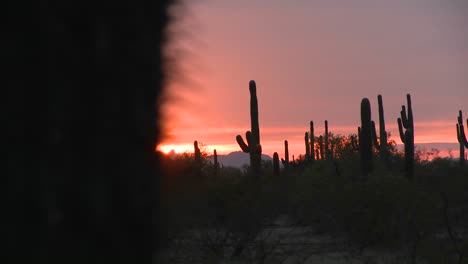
(236, 159)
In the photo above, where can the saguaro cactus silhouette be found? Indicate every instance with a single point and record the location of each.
(462, 137)
(252, 146)
(407, 137)
(197, 158)
(312, 141)
(215, 161)
(276, 169)
(196, 152)
(327, 148)
(307, 146)
(382, 145)
(365, 141)
(285, 161)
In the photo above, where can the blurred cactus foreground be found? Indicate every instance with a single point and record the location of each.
(84, 84)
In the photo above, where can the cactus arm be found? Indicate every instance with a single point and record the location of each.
(400, 129)
(404, 120)
(307, 145)
(461, 135)
(461, 130)
(245, 148)
(410, 113)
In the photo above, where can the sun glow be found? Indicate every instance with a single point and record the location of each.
(188, 148)
(178, 148)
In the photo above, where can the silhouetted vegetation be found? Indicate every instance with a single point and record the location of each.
(387, 210)
(357, 189)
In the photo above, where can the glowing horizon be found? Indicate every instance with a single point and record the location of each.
(272, 138)
(314, 60)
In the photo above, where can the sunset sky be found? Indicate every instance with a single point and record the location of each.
(314, 60)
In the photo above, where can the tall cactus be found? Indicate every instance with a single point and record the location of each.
(307, 146)
(216, 165)
(253, 146)
(312, 141)
(276, 169)
(197, 153)
(365, 141)
(197, 157)
(285, 161)
(462, 137)
(327, 149)
(382, 145)
(407, 137)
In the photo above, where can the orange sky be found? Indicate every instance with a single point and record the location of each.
(272, 138)
(314, 60)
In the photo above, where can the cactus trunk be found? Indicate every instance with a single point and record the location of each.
(286, 155)
(197, 157)
(383, 149)
(365, 141)
(216, 165)
(327, 154)
(276, 169)
(253, 146)
(407, 136)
